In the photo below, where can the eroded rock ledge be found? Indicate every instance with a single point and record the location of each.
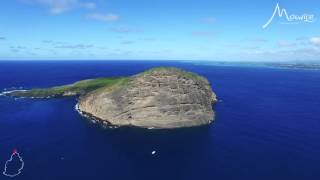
(158, 98)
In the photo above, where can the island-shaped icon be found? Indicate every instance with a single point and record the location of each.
(162, 98)
(13, 166)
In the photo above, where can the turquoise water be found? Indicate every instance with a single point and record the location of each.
(267, 127)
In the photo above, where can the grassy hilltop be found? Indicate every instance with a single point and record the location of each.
(86, 86)
(77, 88)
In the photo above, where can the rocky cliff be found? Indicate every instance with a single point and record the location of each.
(157, 98)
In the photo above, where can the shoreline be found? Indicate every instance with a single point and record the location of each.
(95, 120)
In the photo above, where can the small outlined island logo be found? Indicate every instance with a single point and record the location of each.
(13, 166)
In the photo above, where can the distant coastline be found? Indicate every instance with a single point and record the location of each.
(286, 65)
(307, 66)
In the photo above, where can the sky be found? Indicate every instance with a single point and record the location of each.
(211, 30)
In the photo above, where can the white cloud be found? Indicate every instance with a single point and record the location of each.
(149, 39)
(103, 17)
(127, 42)
(202, 33)
(209, 20)
(75, 46)
(258, 40)
(286, 44)
(315, 41)
(126, 30)
(61, 6)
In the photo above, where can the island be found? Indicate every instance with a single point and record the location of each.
(305, 66)
(159, 98)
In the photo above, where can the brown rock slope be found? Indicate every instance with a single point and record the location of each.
(157, 98)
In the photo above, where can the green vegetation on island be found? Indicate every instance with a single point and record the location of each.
(77, 88)
(180, 71)
(86, 86)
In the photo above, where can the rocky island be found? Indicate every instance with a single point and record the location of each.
(162, 98)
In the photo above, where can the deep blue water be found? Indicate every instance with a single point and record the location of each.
(267, 127)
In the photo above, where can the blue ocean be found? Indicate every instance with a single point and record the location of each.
(267, 127)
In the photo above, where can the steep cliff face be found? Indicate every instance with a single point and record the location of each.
(158, 98)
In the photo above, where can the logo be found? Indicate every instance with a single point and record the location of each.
(8, 171)
(291, 18)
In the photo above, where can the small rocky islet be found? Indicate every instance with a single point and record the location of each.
(160, 98)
